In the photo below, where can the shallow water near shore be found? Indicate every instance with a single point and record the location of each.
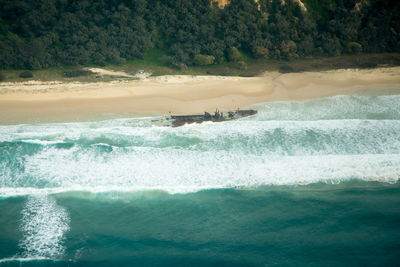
(312, 182)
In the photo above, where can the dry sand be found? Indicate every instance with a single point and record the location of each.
(55, 101)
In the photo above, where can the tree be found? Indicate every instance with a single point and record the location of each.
(233, 54)
(203, 60)
(354, 48)
(288, 49)
(44, 33)
(260, 52)
(331, 45)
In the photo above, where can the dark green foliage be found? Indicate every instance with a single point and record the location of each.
(367, 64)
(203, 60)
(331, 45)
(77, 73)
(354, 48)
(286, 69)
(2, 77)
(26, 74)
(233, 54)
(167, 60)
(179, 66)
(43, 33)
(260, 52)
(242, 65)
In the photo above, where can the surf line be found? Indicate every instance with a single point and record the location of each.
(43, 224)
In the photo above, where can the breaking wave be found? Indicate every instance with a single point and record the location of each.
(295, 142)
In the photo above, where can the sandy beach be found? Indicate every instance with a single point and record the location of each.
(35, 101)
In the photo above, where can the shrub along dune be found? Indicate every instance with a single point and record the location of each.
(41, 34)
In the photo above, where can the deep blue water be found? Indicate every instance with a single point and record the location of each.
(302, 183)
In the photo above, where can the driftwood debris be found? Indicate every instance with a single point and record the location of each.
(179, 120)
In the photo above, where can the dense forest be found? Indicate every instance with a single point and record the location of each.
(37, 34)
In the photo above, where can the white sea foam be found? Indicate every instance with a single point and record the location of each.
(334, 107)
(368, 131)
(288, 143)
(266, 149)
(19, 259)
(43, 225)
(42, 142)
(178, 171)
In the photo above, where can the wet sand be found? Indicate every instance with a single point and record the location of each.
(36, 101)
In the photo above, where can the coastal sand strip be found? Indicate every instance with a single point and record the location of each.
(49, 102)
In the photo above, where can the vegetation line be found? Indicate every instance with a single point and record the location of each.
(184, 34)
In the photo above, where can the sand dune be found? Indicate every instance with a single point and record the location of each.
(56, 101)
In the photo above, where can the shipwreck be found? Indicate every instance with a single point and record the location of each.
(179, 120)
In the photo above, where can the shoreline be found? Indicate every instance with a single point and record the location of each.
(34, 101)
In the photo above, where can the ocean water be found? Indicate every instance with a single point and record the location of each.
(302, 183)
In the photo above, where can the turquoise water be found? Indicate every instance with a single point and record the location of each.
(312, 183)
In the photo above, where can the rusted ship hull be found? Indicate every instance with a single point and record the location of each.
(179, 120)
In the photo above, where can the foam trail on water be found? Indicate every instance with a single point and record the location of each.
(43, 224)
(178, 171)
(289, 142)
(334, 107)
